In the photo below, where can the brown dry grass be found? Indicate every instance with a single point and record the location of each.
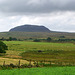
(14, 61)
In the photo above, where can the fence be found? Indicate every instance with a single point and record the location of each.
(42, 63)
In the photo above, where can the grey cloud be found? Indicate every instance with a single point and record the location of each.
(35, 6)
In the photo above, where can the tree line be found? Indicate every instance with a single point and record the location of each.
(52, 40)
(9, 39)
(49, 39)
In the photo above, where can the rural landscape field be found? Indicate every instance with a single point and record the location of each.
(37, 37)
(54, 58)
(40, 53)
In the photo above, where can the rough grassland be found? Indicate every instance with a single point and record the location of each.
(52, 51)
(40, 71)
(14, 61)
(25, 46)
(23, 35)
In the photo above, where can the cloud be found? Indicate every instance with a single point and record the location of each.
(59, 22)
(57, 15)
(24, 7)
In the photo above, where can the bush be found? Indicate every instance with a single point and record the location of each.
(3, 47)
(49, 39)
(36, 40)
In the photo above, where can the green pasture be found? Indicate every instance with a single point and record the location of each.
(25, 46)
(50, 51)
(40, 71)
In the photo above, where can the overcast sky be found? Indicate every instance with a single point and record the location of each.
(57, 15)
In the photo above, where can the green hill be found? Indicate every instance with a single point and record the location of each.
(23, 35)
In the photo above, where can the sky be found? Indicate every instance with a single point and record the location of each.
(57, 15)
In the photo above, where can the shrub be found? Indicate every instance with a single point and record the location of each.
(3, 47)
(36, 40)
(49, 39)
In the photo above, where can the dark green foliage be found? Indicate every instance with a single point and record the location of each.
(36, 40)
(66, 40)
(3, 47)
(49, 39)
(2, 50)
(62, 36)
(10, 39)
(40, 51)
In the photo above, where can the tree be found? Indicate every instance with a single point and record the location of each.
(62, 36)
(36, 40)
(3, 47)
(10, 38)
(49, 39)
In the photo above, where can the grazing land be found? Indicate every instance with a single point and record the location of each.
(38, 51)
(40, 71)
(30, 46)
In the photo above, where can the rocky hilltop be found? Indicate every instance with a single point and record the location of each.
(30, 28)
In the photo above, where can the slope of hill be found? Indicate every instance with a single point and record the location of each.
(30, 28)
(32, 31)
(23, 35)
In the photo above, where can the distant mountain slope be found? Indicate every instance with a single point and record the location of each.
(23, 35)
(30, 28)
(32, 31)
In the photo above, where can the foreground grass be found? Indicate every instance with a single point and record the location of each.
(40, 71)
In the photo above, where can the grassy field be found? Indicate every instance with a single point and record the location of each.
(25, 46)
(13, 61)
(40, 71)
(50, 51)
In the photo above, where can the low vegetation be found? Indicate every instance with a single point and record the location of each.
(39, 51)
(50, 55)
(3, 47)
(40, 71)
(38, 54)
(30, 46)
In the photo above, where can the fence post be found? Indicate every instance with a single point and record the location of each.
(19, 63)
(37, 64)
(34, 62)
(44, 61)
(50, 63)
(4, 63)
(30, 62)
(73, 63)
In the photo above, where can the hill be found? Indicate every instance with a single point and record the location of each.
(23, 35)
(30, 28)
(34, 31)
